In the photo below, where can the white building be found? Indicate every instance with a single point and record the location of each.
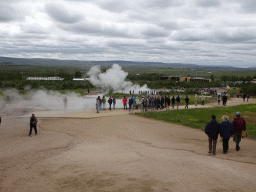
(45, 79)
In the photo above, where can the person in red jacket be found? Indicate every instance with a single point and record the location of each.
(125, 103)
(239, 125)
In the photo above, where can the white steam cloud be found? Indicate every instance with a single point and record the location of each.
(113, 78)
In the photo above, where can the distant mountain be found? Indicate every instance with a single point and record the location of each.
(55, 62)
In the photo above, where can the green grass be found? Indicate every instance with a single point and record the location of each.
(198, 118)
(232, 90)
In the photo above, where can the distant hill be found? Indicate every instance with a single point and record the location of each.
(54, 62)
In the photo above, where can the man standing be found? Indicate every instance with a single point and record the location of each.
(186, 100)
(226, 130)
(178, 101)
(130, 102)
(239, 125)
(125, 103)
(248, 96)
(195, 99)
(212, 130)
(110, 102)
(114, 102)
(202, 98)
(65, 102)
(225, 99)
(104, 102)
(173, 102)
(244, 97)
(133, 101)
(98, 104)
(33, 123)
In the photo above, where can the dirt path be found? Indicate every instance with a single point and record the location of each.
(76, 151)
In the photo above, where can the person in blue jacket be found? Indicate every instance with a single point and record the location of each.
(212, 130)
(226, 131)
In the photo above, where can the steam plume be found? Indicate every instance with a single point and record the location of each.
(113, 78)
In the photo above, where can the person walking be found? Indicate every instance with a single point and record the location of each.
(33, 123)
(226, 131)
(110, 101)
(114, 102)
(186, 100)
(195, 99)
(244, 97)
(239, 126)
(248, 96)
(178, 101)
(125, 103)
(212, 130)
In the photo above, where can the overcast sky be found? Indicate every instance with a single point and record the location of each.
(220, 32)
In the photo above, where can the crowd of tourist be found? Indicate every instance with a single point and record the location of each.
(153, 102)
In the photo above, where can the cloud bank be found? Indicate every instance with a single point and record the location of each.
(205, 32)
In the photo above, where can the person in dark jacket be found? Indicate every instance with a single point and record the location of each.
(114, 102)
(186, 100)
(212, 130)
(239, 125)
(224, 99)
(162, 102)
(173, 102)
(130, 104)
(178, 101)
(110, 102)
(33, 123)
(226, 130)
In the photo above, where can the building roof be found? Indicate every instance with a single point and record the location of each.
(45, 79)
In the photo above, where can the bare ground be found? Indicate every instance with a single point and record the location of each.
(114, 151)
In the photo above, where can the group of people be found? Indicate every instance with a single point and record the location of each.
(226, 130)
(154, 102)
(101, 103)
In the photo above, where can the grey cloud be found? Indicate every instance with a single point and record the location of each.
(10, 13)
(155, 32)
(189, 35)
(34, 29)
(62, 14)
(208, 3)
(247, 6)
(237, 36)
(168, 25)
(125, 43)
(93, 28)
(160, 3)
(115, 5)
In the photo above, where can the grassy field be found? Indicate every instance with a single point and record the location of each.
(198, 118)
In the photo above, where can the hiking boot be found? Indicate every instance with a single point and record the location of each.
(237, 148)
(210, 151)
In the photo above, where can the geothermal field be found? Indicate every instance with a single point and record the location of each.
(78, 149)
